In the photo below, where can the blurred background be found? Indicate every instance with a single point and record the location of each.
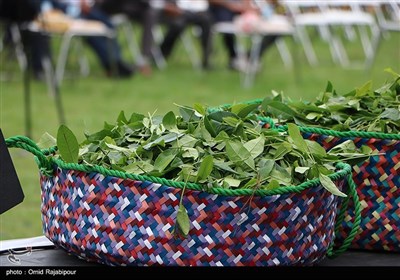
(53, 69)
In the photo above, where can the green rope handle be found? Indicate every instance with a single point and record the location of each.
(333, 253)
(331, 132)
(351, 133)
(47, 164)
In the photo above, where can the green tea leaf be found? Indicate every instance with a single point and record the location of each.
(329, 87)
(313, 116)
(121, 118)
(255, 146)
(242, 110)
(98, 136)
(346, 146)
(135, 117)
(190, 153)
(294, 133)
(328, 184)
(200, 108)
(274, 184)
(278, 109)
(210, 127)
(281, 175)
(266, 169)
(250, 184)
(231, 182)
(46, 141)
(183, 220)
(316, 149)
(364, 89)
(205, 169)
(301, 169)
(139, 167)
(390, 70)
(283, 149)
(224, 166)
(391, 114)
(67, 144)
(164, 159)
(239, 154)
(169, 120)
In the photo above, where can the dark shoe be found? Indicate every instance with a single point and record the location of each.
(39, 76)
(122, 70)
(207, 67)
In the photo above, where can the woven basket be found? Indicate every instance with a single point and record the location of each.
(116, 218)
(378, 185)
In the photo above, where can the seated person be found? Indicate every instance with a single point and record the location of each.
(108, 52)
(139, 11)
(177, 19)
(226, 11)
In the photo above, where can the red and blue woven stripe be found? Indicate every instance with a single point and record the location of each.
(378, 187)
(118, 221)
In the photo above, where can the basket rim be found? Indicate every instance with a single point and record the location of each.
(344, 169)
(316, 129)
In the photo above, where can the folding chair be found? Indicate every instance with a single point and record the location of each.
(351, 14)
(273, 26)
(327, 15)
(279, 42)
(388, 17)
(123, 24)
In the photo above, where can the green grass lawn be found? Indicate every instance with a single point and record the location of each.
(89, 101)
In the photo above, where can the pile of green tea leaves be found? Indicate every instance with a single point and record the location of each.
(362, 109)
(220, 149)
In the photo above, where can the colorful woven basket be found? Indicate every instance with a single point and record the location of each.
(378, 185)
(116, 218)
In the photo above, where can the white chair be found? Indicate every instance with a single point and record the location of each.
(123, 24)
(188, 45)
(276, 25)
(388, 17)
(187, 36)
(305, 14)
(327, 16)
(356, 14)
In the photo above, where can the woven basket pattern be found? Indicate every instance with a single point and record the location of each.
(378, 187)
(126, 222)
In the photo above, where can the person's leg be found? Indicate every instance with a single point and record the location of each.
(107, 49)
(40, 48)
(142, 13)
(150, 18)
(176, 26)
(221, 14)
(266, 42)
(204, 21)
